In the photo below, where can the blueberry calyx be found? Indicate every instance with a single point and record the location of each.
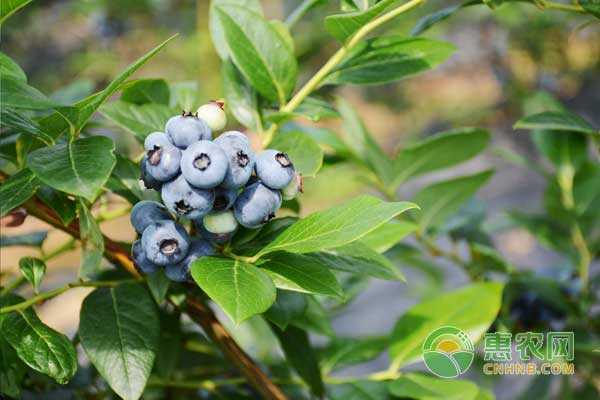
(242, 158)
(268, 218)
(202, 161)
(154, 155)
(220, 203)
(183, 207)
(168, 246)
(283, 160)
(219, 104)
(188, 114)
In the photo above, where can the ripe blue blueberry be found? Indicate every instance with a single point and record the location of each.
(224, 198)
(213, 114)
(274, 169)
(256, 205)
(162, 159)
(146, 212)
(183, 130)
(220, 222)
(180, 272)
(217, 238)
(139, 259)
(204, 164)
(146, 178)
(185, 200)
(240, 158)
(165, 242)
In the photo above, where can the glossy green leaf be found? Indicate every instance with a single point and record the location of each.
(240, 97)
(423, 387)
(143, 91)
(304, 152)
(311, 108)
(80, 167)
(119, 330)
(564, 149)
(17, 190)
(21, 123)
(40, 347)
(12, 370)
(215, 25)
(16, 93)
(442, 199)
(125, 181)
(360, 390)
(315, 318)
(591, 6)
(357, 258)
(342, 26)
(440, 151)
(138, 120)
(33, 269)
(241, 289)
(301, 356)
(287, 307)
(170, 344)
(556, 120)
(158, 283)
(9, 7)
(248, 241)
(300, 273)
(92, 242)
(471, 309)
(440, 15)
(9, 68)
(337, 226)
(63, 206)
(185, 96)
(34, 239)
(387, 235)
(258, 51)
(387, 59)
(486, 258)
(344, 351)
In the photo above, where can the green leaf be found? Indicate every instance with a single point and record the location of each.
(591, 6)
(564, 149)
(119, 330)
(16, 93)
(89, 106)
(170, 344)
(33, 269)
(34, 239)
(138, 120)
(80, 167)
(422, 387)
(144, 91)
(40, 347)
(9, 68)
(440, 151)
(429, 20)
(241, 289)
(486, 258)
(21, 123)
(342, 26)
(17, 190)
(12, 370)
(360, 390)
(387, 59)
(158, 283)
(315, 318)
(300, 273)
(301, 356)
(288, 306)
(357, 258)
(471, 309)
(217, 31)
(344, 351)
(185, 96)
(259, 52)
(337, 226)
(92, 242)
(304, 152)
(240, 97)
(387, 235)
(442, 199)
(125, 181)
(63, 206)
(311, 108)
(9, 7)
(556, 120)
(248, 241)
(362, 144)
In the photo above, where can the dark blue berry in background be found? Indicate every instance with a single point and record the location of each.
(274, 169)
(165, 242)
(147, 212)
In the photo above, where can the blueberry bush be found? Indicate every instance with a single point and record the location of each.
(221, 240)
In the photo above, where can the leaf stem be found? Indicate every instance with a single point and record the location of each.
(316, 80)
(562, 7)
(12, 285)
(53, 293)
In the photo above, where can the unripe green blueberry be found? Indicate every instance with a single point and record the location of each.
(220, 222)
(214, 115)
(291, 190)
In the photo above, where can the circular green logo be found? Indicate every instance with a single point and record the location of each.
(448, 352)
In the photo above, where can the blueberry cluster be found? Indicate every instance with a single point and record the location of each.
(217, 184)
